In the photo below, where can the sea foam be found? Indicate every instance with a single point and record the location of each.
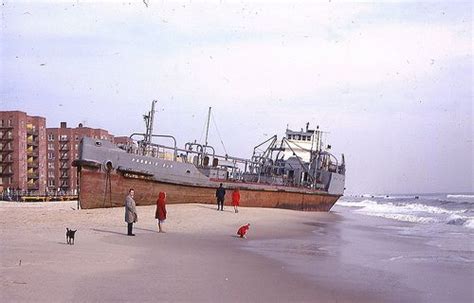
(411, 212)
(468, 197)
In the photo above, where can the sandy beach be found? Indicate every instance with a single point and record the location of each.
(198, 259)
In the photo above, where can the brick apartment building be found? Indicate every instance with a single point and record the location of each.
(22, 152)
(62, 149)
(37, 160)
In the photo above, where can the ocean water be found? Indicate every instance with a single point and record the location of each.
(429, 210)
(404, 248)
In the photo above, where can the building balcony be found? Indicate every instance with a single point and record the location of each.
(33, 176)
(6, 138)
(32, 164)
(64, 148)
(32, 153)
(32, 143)
(64, 177)
(32, 131)
(6, 160)
(32, 186)
(67, 167)
(63, 140)
(6, 173)
(64, 158)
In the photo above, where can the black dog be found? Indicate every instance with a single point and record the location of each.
(70, 236)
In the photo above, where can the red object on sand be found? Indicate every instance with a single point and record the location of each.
(160, 213)
(235, 198)
(243, 230)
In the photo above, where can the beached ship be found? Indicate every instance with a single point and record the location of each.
(296, 172)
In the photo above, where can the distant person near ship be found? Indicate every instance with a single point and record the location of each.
(160, 213)
(131, 215)
(220, 195)
(236, 199)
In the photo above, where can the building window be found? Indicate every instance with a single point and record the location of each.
(51, 182)
(50, 146)
(51, 165)
(77, 137)
(51, 156)
(50, 137)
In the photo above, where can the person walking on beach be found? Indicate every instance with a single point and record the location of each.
(220, 195)
(236, 199)
(160, 213)
(130, 212)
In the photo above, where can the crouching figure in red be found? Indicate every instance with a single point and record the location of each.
(242, 232)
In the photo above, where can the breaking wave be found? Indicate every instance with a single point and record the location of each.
(461, 220)
(411, 212)
(468, 197)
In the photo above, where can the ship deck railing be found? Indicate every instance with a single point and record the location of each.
(241, 166)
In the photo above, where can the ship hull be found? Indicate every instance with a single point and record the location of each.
(99, 190)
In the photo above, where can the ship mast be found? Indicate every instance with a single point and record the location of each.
(207, 126)
(149, 123)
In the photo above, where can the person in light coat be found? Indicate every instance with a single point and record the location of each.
(130, 211)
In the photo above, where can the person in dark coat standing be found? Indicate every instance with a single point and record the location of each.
(220, 195)
(160, 213)
(130, 211)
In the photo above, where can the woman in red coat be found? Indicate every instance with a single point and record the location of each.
(236, 199)
(160, 213)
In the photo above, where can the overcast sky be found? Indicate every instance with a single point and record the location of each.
(390, 81)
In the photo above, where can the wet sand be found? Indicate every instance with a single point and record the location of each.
(198, 259)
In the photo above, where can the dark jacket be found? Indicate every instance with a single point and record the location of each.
(220, 193)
